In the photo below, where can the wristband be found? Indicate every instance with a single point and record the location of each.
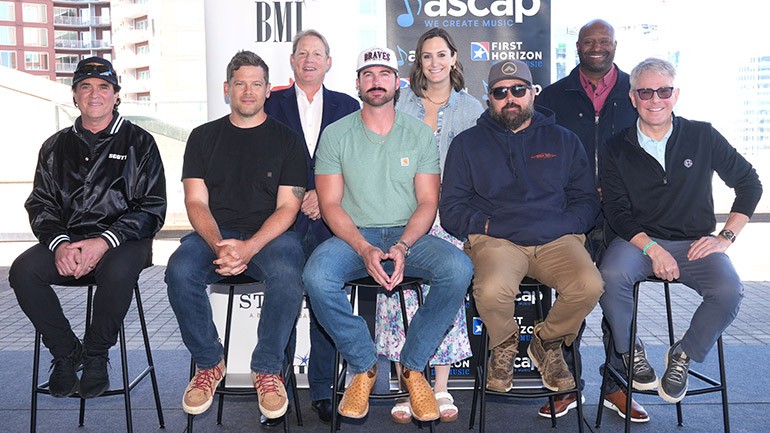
(649, 244)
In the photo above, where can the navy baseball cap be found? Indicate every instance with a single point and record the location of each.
(96, 67)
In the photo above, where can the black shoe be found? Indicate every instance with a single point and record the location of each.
(324, 409)
(673, 384)
(273, 422)
(63, 381)
(644, 375)
(95, 380)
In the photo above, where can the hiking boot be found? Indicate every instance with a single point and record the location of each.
(644, 377)
(500, 369)
(200, 391)
(271, 393)
(547, 356)
(355, 401)
(95, 379)
(63, 381)
(673, 384)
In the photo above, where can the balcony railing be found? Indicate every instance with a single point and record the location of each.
(66, 67)
(86, 45)
(81, 22)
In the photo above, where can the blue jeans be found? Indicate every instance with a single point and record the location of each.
(279, 264)
(334, 262)
(713, 277)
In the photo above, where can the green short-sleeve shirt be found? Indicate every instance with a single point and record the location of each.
(379, 175)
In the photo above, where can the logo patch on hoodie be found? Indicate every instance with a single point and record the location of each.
(543, 156)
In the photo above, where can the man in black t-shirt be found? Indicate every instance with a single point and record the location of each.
(244, 177)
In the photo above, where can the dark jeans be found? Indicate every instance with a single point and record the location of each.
(116, 274)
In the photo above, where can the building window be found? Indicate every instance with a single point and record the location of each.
(65, 39)
(143, 74)
(35, 37)
(66, 62)
(141, 24)
(7, 11)
(142, 49)
(34, 13)
(34, 61)
(8, 59)
(7, 35)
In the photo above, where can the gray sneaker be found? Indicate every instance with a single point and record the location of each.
(547, 356)
(673, 384)
(500, 367)
(644, 376)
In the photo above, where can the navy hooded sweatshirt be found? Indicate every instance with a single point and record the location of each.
(533, 186)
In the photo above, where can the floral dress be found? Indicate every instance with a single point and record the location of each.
(389, 326)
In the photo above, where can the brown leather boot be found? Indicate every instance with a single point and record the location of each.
(355, 401)
(547, 356)
(421, 397)
(500, 367)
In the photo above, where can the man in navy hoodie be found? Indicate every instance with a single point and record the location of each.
(520, 189)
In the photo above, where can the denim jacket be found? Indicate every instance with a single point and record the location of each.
(459, 113)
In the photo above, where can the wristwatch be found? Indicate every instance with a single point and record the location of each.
(727, 234)
(406, 246)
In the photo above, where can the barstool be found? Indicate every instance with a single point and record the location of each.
(128, 384)
(223, 390)
(340, 373)
(711, 385)
(480, 390)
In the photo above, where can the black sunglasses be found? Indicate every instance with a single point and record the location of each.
(100, 69)
(663, 93)
(517, 90)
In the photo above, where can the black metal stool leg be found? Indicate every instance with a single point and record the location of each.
(148, 353)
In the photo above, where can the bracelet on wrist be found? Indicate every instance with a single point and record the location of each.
(406, 246)
(649, 244)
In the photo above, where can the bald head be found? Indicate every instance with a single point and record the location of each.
(596, 48)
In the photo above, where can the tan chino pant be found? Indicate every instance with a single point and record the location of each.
(563, 264)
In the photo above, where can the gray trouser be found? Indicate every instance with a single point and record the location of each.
(712, 277)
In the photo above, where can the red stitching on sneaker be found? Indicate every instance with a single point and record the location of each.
(204, 379)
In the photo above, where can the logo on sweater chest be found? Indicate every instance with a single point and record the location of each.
(544, 155)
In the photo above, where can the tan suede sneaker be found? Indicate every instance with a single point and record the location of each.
(271, 394)
(200, 391)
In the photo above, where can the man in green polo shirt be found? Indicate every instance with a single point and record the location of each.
(377, 179)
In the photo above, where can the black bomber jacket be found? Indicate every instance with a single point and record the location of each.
(115, 188)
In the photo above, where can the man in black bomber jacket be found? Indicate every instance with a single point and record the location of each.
(98, 198)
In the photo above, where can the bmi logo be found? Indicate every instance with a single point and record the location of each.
(480, 51)
(278, 21)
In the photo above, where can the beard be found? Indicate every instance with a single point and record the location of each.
(512, 119)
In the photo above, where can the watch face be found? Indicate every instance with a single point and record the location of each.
(728, 234)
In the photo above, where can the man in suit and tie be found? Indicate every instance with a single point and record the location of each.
(308, 107)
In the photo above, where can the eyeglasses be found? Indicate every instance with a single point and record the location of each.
(90, 68)
(663, 93)
(517, 90)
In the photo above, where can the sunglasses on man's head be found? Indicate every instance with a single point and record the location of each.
(517, 90)
(100, 69)
(663, 93)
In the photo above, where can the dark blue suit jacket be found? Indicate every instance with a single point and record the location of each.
(282, 106)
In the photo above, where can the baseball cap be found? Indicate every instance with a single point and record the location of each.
(375, 56)
(96, 67)
(509, 70)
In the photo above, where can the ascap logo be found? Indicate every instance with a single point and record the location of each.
(458, 8)
(116, 156)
